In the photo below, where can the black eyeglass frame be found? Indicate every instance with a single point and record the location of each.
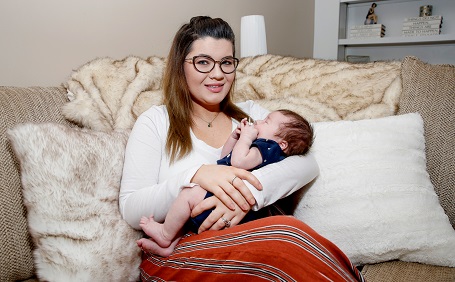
(193, 59)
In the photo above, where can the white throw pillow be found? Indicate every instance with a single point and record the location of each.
(373, 197)
(71, 181)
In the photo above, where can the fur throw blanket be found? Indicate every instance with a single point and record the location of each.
(107, 94)
(103, 92)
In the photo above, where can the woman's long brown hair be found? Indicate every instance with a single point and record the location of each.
(177, 97)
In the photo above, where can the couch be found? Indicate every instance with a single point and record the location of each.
(96, 107)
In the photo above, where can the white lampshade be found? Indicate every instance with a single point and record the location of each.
(253, 39)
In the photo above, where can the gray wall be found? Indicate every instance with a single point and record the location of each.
(42, 41)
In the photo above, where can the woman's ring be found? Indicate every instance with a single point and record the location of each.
(227, 223)
(232, 181)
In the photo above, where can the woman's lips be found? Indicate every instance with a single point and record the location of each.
(216, 88)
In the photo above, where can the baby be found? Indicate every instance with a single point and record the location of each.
(283, 133)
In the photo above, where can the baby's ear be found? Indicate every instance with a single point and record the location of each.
(283, 144)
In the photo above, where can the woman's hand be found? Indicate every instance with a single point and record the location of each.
(221, 216)
(224, 182)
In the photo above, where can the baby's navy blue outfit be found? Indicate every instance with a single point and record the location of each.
(271, 153)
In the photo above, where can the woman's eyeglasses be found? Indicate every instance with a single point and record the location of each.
(206, 64)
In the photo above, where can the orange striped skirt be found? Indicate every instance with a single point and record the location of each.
(277, 248)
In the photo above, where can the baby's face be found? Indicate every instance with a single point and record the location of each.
(271, 125)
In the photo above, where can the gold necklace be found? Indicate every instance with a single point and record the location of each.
(209, 124)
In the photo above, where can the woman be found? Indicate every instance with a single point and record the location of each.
(175, 146)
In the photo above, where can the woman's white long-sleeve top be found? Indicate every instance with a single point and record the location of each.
(150, 183)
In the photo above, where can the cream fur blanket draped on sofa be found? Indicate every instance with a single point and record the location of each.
(109, 94)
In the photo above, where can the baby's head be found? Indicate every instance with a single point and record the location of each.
(290, 130)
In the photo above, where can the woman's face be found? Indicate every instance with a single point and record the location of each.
(209, 89)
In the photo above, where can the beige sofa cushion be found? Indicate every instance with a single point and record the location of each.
(20, 105)
(407, 271)
(430, 90)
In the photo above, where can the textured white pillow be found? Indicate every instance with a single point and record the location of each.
(373, 197)
(71, 181)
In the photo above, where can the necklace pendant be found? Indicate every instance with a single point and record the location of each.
(209, 124)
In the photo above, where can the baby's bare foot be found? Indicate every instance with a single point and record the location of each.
(156, 231)
(150, 246)
(146, 223)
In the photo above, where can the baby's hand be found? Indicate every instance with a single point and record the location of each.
(243, 122)
(248, 131)
(236, 132)
(246, 121)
